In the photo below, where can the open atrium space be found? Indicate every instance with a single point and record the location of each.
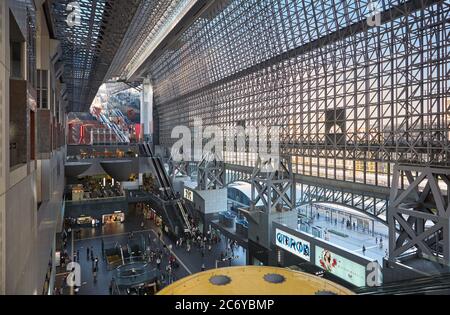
(180, 150)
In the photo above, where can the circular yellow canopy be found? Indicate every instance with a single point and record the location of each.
(253, 280)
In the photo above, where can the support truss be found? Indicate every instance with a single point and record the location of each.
(424, 222)
(273, 186)
(370, 205)
(211, 173)
(178, 168)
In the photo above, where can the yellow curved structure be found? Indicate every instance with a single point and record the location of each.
(253, 280)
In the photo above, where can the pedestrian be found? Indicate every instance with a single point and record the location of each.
(376, 240)
(364, 250)
(78, 255)
(96, 262)
(209, 247)
(111, 286)
(158, 263)
(87, 252)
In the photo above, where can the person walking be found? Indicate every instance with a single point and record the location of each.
(158, 263)
(78, 255)
(87, 252)
(111, 286)
(94, 274)
(364, 250)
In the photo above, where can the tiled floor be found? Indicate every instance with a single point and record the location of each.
(356, 239)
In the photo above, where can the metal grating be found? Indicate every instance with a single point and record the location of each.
(350, 99)
(90, 47)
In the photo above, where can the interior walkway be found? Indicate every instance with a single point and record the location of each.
(189, 262)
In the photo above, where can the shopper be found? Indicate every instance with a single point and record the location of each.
(158, 263)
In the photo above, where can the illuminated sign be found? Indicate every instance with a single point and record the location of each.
(341, 267)
(293, 244)
(189, 195)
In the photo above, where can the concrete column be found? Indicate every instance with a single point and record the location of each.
(147, 109)
(4, 134)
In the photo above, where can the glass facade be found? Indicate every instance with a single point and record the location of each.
(350, 99)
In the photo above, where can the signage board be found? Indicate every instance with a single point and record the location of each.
(293, 244)
(189, 195)
(341, 267)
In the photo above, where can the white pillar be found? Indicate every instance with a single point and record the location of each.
(147, 109)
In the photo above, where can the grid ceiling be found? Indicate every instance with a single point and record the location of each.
(88, 48)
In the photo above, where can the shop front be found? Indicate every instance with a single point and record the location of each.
(102, 213)
(116, 217)
(150, 213)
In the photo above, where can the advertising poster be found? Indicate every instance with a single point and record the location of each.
(293, 244)
(188, 194)
(341, 267)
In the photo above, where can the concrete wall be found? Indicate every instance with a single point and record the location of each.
(4, 130)
(27, 232)
(211, 201)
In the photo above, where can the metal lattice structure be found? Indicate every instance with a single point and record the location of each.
(211, 172)
(351, 99)
(149, 22)
(369, 203)
(274, 187)
(423, 222)
(90, 46)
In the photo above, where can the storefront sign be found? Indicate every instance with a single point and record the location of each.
(189, 195)
(293, 244)
(341, 267)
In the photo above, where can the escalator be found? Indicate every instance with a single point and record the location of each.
(438, 284)
(175, 209)
(112, 126)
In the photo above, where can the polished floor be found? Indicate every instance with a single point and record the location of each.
(189, 262)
